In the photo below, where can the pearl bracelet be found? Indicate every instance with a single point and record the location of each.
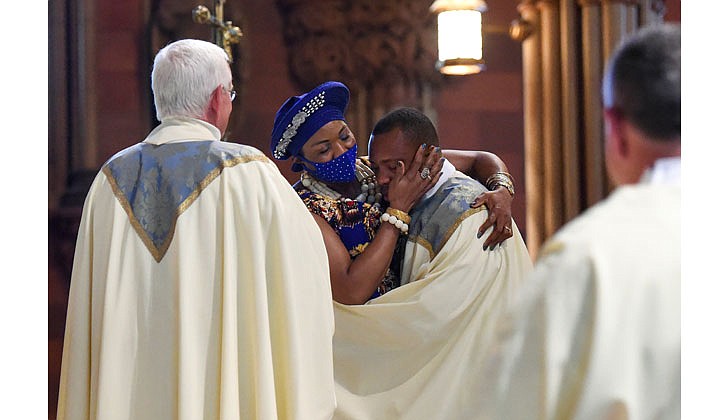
(392, 219)
(399, 214)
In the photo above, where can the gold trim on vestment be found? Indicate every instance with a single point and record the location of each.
(158, 253)
(427, 245)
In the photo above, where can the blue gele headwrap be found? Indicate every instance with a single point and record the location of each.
(300, 117)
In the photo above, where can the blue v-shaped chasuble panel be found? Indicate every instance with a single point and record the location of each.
(155, 184)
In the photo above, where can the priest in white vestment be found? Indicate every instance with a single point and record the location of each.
(200, 285)
(417, 352)
(599, 335)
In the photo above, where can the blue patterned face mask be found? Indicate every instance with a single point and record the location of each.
(339, 169)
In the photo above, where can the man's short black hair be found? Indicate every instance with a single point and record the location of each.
(642, 81)
(416, 126)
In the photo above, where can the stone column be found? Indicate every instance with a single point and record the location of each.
(633, 21)
(551, 116)
(571, 112)
(82, 140)
(614, 25)
(594, 178)
(532, 129)
(563, 122)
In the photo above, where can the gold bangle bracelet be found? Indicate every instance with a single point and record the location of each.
(399, 214)
(500, 179)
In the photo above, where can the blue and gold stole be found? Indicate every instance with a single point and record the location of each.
(155, 184)
(435, 219)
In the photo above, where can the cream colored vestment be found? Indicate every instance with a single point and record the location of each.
(598, 336)
(417, 352)
(230, 317)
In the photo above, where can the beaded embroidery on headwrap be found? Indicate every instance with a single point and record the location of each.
(314, 104)
(300, 117)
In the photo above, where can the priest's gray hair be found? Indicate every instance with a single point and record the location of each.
(185, 74)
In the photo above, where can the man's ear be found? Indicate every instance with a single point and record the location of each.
(213, 105)
(615, 131)
(215, 98)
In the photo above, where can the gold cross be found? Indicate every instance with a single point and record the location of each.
(225, 33)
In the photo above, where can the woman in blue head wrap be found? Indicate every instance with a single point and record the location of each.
(340, 190)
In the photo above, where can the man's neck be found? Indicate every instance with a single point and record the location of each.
(665, 170)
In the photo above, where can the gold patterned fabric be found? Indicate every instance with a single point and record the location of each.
(435, 219)
(156, 183)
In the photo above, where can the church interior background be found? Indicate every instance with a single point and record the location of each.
(534, 105)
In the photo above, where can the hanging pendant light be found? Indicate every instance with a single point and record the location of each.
(460, 36)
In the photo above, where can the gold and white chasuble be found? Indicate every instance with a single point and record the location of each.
(418, 352)
(200, 289)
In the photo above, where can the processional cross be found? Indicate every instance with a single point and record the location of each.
(225, 33)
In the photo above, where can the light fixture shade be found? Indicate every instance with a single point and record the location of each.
(459, 36)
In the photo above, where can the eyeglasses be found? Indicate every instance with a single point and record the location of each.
(232, 94)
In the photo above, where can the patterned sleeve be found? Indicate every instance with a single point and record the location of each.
(356, 223)
(324, 207)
